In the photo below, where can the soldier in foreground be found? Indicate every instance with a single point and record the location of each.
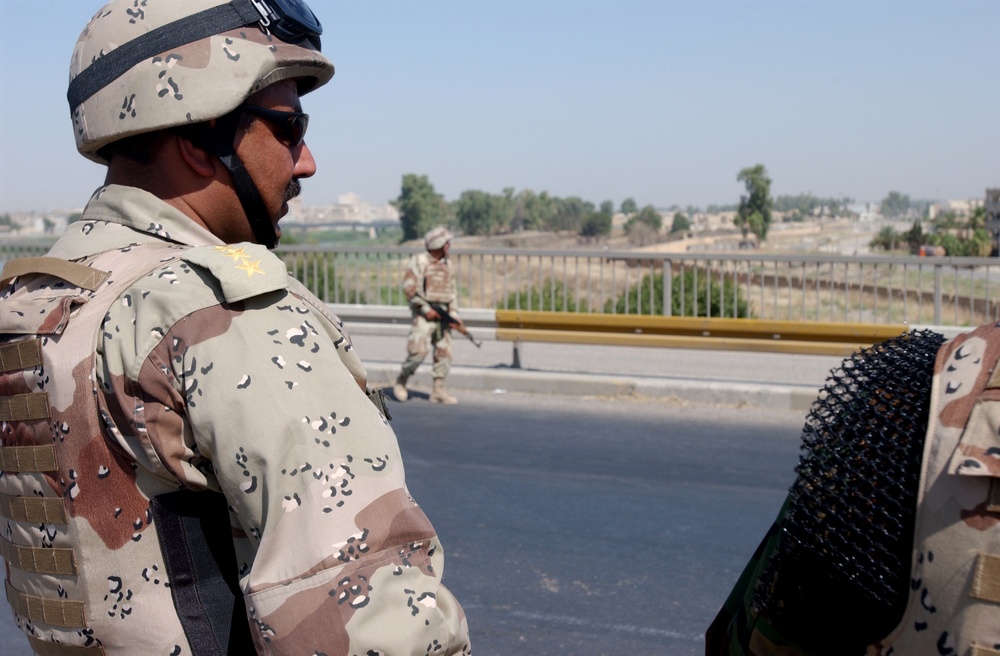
(429, 285)
(191, 462)
(889, 539)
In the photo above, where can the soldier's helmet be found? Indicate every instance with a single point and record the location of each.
(436, 238)
(145, 65)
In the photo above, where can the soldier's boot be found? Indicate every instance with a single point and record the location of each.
(439, 395)
(399, 389)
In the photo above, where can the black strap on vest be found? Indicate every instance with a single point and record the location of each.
(197, 544)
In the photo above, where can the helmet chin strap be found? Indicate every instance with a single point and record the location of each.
(222, 141)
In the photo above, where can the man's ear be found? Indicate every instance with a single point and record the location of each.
(201, 161)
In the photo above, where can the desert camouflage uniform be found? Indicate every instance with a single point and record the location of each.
(214, 371)
(426, 281)
(953, 606)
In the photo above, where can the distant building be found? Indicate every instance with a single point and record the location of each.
(956, 207)
(41, 223)
(349, 213)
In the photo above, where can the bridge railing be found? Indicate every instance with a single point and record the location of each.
(943, 291)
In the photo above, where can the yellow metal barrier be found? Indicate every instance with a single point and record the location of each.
(692, 332)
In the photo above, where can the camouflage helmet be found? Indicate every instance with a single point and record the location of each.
(436, 238)
(145, 65)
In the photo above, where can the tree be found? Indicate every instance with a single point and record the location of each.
(570, 214)
(946, 221)
(420, 207)
(643, 227)
(507, 210)
(650, 217)
(539, 210)
(597, 224)
(895, 205)
(977, 220)
(886, 239)
(807, 204)
(914, 237)
(629, 206)
(640, 233)
(608, 207)
(478, 213)
(680, 223)
(754, 211)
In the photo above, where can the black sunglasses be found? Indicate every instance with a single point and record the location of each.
(291, 125)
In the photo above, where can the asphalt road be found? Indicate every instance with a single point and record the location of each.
(586, 526)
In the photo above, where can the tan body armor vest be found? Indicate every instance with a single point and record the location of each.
(954, 604)
(79, 540)
(439, 284)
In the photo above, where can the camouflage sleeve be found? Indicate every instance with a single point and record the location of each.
(413, 280)
(253, 397)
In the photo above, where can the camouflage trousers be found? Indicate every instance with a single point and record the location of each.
(424, 336)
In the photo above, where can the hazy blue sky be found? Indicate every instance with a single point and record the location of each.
(663, 101)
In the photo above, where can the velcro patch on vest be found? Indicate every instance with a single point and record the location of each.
(29, 458)
(20, 355)
(57, 612)
(243, 270)
(25, 407)
(60, 562)
(986, 580)
(79, 275)
(35, 510)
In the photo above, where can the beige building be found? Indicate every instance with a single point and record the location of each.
(956, 207)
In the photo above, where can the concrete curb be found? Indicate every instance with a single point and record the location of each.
(689, 390)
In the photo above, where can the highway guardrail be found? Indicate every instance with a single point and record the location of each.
(693, 332)
(814, 338)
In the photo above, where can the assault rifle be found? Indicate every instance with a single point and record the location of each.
(448, 320)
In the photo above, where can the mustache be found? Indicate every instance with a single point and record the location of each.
(293, 189)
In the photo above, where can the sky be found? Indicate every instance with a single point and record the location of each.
(661, 101)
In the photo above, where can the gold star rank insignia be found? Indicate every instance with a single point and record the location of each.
(251, 268)
(236, 253)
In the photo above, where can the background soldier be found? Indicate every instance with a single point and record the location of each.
(889, 540)
(429, 285)
(214, 477)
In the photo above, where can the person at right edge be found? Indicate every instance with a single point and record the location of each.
(888, 542)
(429, 285)
(191, 463)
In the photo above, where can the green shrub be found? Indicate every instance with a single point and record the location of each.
(717, 300)
(552, 297)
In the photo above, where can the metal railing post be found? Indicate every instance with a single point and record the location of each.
(937, 294)
(668, 287)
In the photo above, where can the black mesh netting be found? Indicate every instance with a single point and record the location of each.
(843, 559)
